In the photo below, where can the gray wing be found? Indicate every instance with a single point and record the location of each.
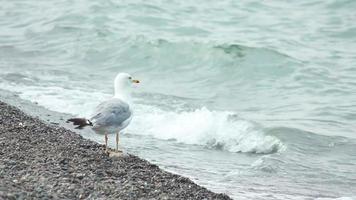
(112, 112)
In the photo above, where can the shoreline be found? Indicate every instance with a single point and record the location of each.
(43, 160)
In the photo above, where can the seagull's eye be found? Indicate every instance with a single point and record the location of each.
(130, 77)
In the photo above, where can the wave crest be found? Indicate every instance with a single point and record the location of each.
(213, 129)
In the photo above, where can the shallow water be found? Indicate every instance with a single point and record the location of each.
(254, 99)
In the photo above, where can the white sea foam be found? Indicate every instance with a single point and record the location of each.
(339, 198)
(214, 129)
(71, 101)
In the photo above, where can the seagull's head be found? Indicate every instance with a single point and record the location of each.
(123, 82)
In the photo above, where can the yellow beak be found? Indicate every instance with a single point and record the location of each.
(135, 81)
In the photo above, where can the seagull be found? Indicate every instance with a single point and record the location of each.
(113, 115)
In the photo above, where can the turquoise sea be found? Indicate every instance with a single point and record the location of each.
(256, 99)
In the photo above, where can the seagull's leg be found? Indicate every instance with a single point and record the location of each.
(106, 142)
(117, 142)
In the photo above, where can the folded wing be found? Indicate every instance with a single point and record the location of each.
(111, 113)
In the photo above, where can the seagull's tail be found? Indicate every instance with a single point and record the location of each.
(80, 122)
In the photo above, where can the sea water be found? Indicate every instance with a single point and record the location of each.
(255, 99)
